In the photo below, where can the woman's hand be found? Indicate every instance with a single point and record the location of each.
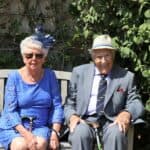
(54, 141)
(31, 141)
(28, 136)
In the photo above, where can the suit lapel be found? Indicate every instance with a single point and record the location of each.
(88, 76)
(112, 85)
(110, 89)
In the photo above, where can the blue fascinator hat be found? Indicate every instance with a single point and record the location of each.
(46, 39)
(38, 40)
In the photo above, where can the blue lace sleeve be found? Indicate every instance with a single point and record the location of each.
(56, 114)
(10, 117)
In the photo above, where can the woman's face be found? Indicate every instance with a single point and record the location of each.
(103, 59)
(33, 58)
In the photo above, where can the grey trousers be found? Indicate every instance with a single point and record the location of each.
(83, 138)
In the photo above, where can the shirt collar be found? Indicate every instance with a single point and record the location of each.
(97, 72)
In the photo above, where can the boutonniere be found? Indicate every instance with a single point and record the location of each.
(121, 90)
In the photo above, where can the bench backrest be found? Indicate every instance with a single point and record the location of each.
(62, 76)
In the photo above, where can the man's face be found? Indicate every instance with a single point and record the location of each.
(103, 59)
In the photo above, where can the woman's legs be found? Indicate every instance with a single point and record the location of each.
(42, 143)
(19, 143)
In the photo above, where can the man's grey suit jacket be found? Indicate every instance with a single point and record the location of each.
(121, 93)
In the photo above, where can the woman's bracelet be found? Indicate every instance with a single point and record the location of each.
(56, 132)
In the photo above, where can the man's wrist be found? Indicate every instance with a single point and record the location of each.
(73, 117)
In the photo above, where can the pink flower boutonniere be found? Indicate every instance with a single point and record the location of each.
(121, 90)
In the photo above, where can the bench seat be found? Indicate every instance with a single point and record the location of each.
(63, 78)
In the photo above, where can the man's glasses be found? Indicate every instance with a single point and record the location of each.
(31, 55)
(107, 56)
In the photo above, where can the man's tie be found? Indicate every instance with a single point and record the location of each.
(101, 94)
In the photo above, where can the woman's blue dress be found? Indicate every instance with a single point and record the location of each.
(41, 100)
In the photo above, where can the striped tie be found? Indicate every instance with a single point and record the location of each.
(101, 94)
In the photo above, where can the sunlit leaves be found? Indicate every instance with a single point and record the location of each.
(147, 13)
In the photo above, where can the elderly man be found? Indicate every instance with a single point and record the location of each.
(104, 95)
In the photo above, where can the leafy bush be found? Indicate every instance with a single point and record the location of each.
(127, 22)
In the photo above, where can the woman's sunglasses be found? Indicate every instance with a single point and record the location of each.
(30, 55)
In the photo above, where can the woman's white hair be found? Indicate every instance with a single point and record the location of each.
(32, 43)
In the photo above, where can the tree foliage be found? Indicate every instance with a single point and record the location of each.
(128, 22)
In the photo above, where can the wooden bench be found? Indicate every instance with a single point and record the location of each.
(63, 78)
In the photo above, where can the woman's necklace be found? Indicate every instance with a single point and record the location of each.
(32, 77)
(36, 77)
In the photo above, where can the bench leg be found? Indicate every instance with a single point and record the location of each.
(130, 138)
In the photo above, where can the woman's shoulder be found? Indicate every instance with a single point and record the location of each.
(13, 74)
(49, 75)
(49, 72)
(13, 77)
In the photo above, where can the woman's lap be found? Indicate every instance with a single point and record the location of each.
(6, 136)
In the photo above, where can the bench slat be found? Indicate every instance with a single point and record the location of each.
(64, 85)
(1, 93)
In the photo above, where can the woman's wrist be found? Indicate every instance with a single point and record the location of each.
(56, 132)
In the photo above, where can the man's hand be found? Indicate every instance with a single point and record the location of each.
(123, 121)
(74, 120)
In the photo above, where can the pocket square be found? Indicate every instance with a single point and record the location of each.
(120, 90)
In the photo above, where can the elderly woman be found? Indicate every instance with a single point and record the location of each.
(32, 101)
